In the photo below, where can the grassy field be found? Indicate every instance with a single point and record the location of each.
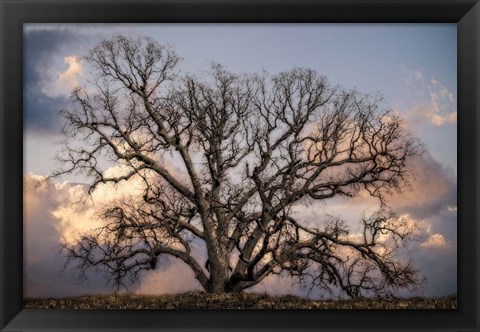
(233, 301)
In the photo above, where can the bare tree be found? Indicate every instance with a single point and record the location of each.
(253, 148)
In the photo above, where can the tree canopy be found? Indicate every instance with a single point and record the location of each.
(249, 150)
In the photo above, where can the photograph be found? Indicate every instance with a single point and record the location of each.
(240, 166)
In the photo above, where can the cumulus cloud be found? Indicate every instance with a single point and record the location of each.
(429, 201)
(432, 189)
(69, 78)
(44, 54)
(56, 212)
(44, 274)
(52, 66)
(62, 77)
(434, 241)
(52, 60)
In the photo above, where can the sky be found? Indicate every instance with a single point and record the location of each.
(412, 65)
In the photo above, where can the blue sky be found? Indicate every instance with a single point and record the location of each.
(373, 58)
(370, 57)
(412, 65)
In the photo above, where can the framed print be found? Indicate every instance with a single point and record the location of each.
(163, 162)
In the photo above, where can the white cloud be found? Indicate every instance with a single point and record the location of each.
(69, 78)
(42, 233)
(435, 240)
(429, 99)
(57, 211)
(63, 75)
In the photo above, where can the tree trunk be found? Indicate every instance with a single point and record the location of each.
(218, 281)
(219, 271)
(234, 286)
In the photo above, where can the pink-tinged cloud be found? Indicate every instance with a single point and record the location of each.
(55, 213)
(42, 233)
(430, 202)
(58, 212)
(436, 240)
(429, 100)
(70, 77)
(432, 189)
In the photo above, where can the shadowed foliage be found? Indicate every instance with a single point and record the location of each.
(235, 301)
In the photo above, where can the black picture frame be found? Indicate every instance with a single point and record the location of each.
(14, 13)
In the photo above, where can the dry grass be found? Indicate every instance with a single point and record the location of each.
(233, 301)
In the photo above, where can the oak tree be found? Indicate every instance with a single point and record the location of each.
(251, 151)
